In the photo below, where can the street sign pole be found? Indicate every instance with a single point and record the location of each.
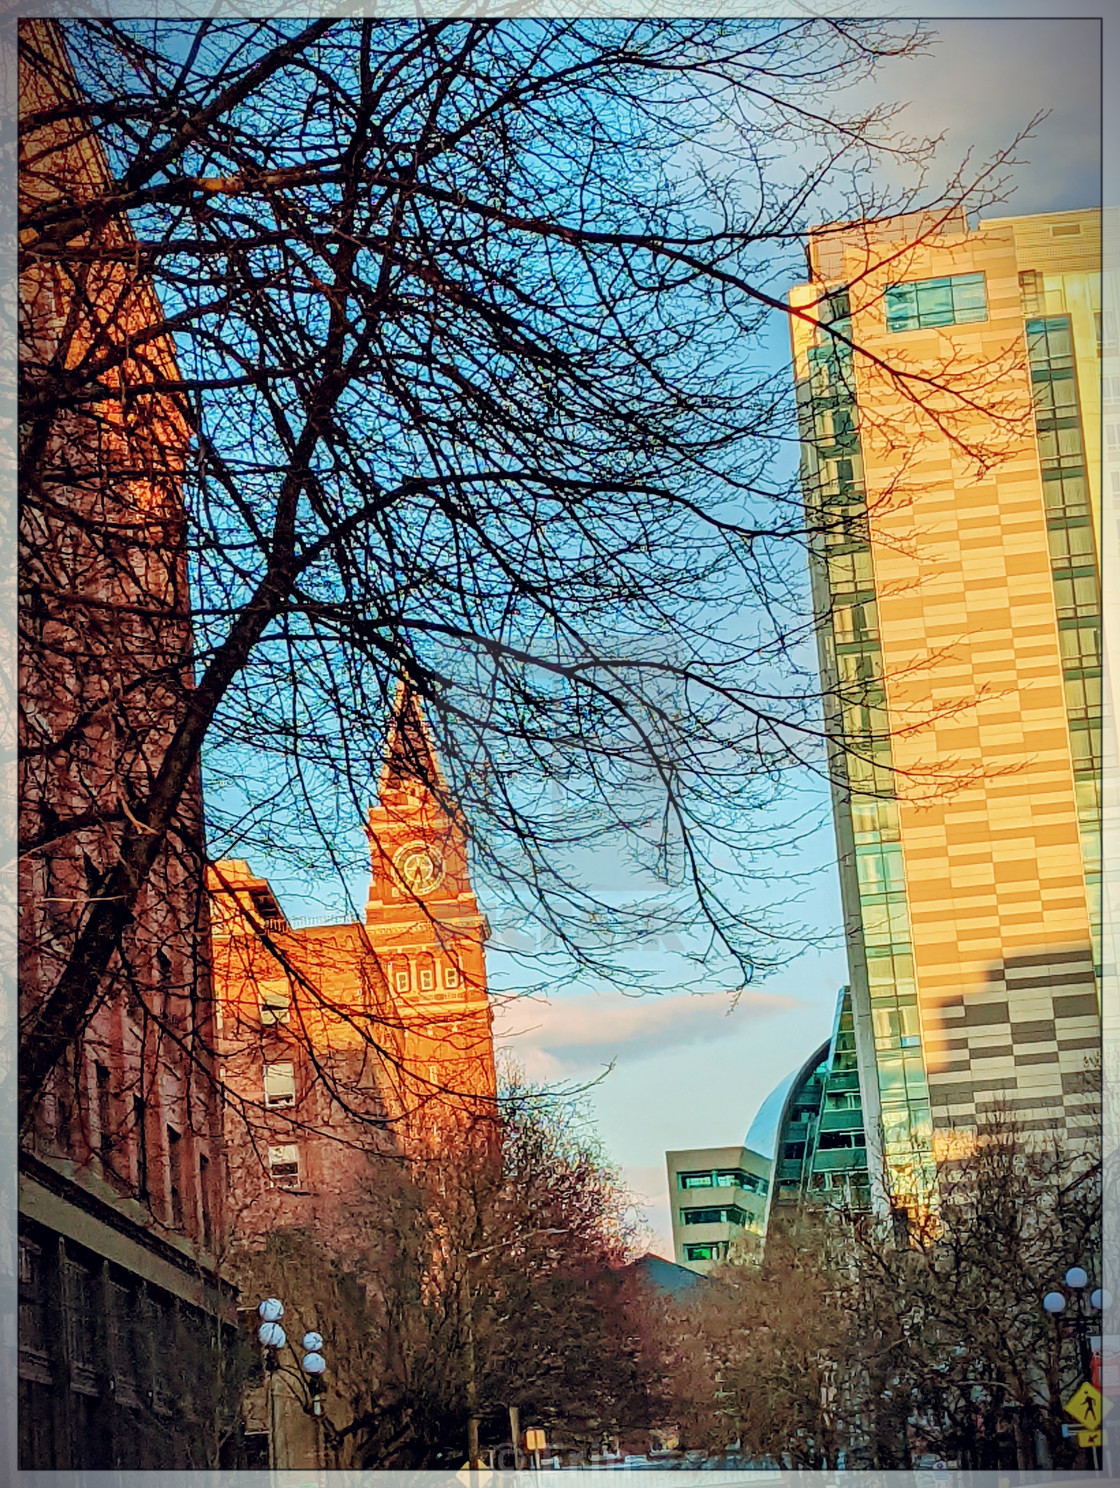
(1088, 1407)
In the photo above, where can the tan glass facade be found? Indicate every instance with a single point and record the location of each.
(949, 391)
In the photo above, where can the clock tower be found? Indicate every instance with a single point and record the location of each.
(426, 930)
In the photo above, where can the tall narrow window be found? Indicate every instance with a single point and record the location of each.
(206, 1200)
(79, 1292)
(104, 1112)
(175, 1175)
(140, 1123)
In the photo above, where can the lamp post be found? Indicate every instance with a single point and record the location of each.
(272, 1338)
(315, 1366)
(1056, 1302)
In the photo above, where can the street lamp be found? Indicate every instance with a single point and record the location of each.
(314, 1366)
(1055, 1302)
(272, 1338)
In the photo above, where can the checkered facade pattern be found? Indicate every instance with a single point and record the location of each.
(949, 387)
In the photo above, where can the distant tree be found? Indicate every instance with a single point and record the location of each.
(762, 1359)
(954, 1306)
(485, 1279)
(888, 1338)
(460, 321)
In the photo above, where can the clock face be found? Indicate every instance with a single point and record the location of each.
(419, 867)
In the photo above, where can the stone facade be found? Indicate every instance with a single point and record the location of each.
(345, 1045)
(124, 1321)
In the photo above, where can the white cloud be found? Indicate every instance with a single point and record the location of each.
(581, 1034)
(650, 1187)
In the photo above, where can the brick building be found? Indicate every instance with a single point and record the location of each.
(353, 1054)
(123, 1317)
(346, 1042)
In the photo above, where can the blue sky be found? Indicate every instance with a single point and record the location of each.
(691, 1068)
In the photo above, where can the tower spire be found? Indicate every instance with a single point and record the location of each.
(410, 769)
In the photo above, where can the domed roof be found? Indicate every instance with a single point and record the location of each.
(763, 1134)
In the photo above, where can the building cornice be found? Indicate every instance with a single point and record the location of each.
(51, 1198)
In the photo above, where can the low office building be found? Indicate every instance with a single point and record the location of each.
(718, 1197)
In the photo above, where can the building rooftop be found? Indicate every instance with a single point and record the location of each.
(665, 1276)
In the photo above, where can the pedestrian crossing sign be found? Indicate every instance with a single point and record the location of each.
(1088, 1406)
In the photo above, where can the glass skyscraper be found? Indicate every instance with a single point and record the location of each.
(948, 384)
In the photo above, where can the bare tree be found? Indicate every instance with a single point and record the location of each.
(459, 323)
(473, 1280)
(957, 1301)
(760, 1364)
(922, 1332)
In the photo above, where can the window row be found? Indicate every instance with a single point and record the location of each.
(275, 997)
(726, 1214)
(1071, 543)
(842, 1100)
(879, 868)
(1065, 492)
(723, 1178)
(926, 304)
(1077, 597)
(833, 1141)
(423, 977)
(96, 1337)
(1050, 343)
(1083, 695)
(896, 1026)
(1085, 746)
(1055, 396)
(1061, 448)
(715, 1250)
(886, 924)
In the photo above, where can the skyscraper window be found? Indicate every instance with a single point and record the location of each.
(927, 303)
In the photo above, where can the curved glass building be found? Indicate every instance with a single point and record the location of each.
(812, 1124)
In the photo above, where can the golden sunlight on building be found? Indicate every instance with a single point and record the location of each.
(950, 426)
(345, 1046)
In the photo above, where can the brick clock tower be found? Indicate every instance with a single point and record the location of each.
(425, 928)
